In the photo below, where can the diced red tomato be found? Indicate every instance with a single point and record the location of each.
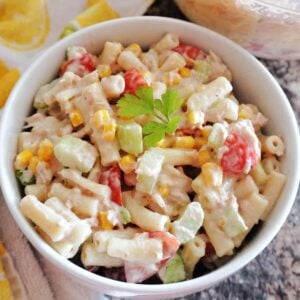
(189, 131)
(130, 178)
(238, 155)
(133, 80)
(112, 178)
(188, 51)
(209, 249)
(80, 66)
(170, 243)
(137, 272)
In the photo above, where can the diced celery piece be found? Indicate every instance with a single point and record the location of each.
(125, 215)
(173, 271)
(148, 169)
(215, 90)
(217, 135)
(231, 110)
(203, 69)
(186, 227)
(226, 108)
(130, 137)
(234, 223)
(25, 176)
(73, 152)
(38, 101)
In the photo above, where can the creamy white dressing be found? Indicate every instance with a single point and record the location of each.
(159, 188)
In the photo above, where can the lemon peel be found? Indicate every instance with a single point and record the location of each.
(3, 68)
(7, 82)
(97, 11)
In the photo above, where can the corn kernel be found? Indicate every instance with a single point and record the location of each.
(33, 163)
(212, 174)
(176, 81)
(161, 143)
(147, 76)
(243, 114)
(45, 150)
(171, 79)
(184, 142)
(200, 142)
(103, 122)
(185, 72)
(76, 118)
(109, 131)
(103, 221)
(206, 131)
(23, 159)
(109, 136)
(165, 142)
(204, 156)
(111, 126)
(100, 117)
(127, 163)
(195, 117)
(103, 71)
(135, 48)
(164, 191)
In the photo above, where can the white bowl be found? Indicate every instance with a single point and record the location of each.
(252, 83)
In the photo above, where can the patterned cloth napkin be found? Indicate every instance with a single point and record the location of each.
(27, 28)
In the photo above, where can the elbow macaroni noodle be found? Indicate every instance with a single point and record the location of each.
(94, 190)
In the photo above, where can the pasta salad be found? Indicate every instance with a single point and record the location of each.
(143, 163)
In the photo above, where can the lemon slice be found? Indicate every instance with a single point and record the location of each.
(98, 11)
(7, 82)
(5, 289)
(92, 2)
(3, 68)
(24, 25)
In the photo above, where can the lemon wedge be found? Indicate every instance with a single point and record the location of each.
(7, 82)
(97, 11)
(24, 25)
(3, 68)
(5, 289)
(91, 2)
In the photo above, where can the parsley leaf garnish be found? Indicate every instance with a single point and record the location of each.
(163, 112)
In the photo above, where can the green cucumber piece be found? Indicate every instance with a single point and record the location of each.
(186, 227)
(234, 223)
(25, 176)
(39, 101)
(148, 169)
(130, 137)
(173, 270)
(75, 153)
(125, 215)
(203, 69)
